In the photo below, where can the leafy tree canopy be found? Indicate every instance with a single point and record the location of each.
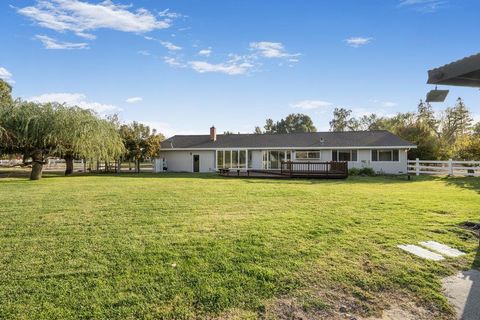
(293, 123)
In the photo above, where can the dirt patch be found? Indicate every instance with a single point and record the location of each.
(338, 305)
(406, 312)
(472, 226)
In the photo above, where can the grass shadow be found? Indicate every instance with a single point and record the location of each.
(469, 183)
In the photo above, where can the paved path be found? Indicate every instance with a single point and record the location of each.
(463, 292)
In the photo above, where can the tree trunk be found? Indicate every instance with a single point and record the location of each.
(37, 166)
(138, 166)
(69, 165)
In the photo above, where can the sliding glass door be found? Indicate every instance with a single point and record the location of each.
(272, 159)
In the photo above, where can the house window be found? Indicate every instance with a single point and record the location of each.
(220, 159)
(243, 158)
(235, 159)
(273, 159)
(228, 159)
(231, 159)
(250, 159)
(308, 155)
(385, 155)
(344, 155)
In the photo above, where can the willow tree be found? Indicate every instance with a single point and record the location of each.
(5, 102)
(29, 127)
(41, 130)
(80, 133)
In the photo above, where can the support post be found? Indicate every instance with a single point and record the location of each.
(450, 167)
(417, 166)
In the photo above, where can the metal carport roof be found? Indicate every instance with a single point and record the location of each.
(465, 72)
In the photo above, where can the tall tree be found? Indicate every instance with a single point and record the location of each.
(30, 127)
(82, 134)
(5, 102)
(457, 121)
(5, 94)
(293, 123)
(140, 142)
(258, 130)
(343, 121)
(369, 122)
(426, 116)
(476, 129)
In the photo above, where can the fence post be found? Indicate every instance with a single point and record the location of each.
(417, 166)
(450, 167)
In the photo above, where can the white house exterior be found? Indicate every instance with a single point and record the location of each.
(380, 150)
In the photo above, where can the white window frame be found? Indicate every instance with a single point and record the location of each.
(267, 154)
(309, 159)
(238, 167)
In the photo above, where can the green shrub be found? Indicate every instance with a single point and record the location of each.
(367, 172)
(361, 172)
(354, 171)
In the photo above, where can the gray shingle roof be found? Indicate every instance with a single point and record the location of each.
(294, 140)
(464, 72)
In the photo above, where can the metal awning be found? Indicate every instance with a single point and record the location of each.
(465, 72)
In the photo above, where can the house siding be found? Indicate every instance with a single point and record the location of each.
(182, 161)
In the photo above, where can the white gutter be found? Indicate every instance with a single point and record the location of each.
(290, 148)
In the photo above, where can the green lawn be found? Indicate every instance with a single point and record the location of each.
(185, 246)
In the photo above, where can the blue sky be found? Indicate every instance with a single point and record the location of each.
(182, 66)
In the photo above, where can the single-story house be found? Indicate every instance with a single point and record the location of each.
(380, 150)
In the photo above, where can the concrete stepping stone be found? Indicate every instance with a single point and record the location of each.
(421, 252)
(442, 249)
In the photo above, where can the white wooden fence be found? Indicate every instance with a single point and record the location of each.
(450, 167)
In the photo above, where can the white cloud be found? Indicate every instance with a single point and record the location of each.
(311, 104)
(205, 52)
(271, 50)
(50, 43)
(170, 46)
(389, 104)
(144, 52)
(81, 16)
(235, 66)
(6, 75)
(169, 14)
(169, 131)
(423, 5)
(87, 36)
(174, 62)
(134, 100)
(74, 99)
(356, 42)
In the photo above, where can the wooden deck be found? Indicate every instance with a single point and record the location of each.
(295, 169)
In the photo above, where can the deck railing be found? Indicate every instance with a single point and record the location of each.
(314, 168)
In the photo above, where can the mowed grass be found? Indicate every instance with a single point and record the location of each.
(186, 246)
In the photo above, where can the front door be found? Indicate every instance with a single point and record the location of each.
(196, 163)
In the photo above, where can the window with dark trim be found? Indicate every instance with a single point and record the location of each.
(308, 155)
(385, 155)
(344, 155)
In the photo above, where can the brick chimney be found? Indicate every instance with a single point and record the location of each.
(213, 133)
